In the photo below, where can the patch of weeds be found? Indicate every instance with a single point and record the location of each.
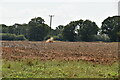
(56, 69)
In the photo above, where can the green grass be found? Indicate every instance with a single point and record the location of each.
(58, 69)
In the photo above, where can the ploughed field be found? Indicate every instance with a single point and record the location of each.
(98, 52)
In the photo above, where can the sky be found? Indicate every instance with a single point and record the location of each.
(64, 11)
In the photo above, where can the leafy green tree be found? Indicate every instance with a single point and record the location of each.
(24, 30)
(4, 28)
(69, 32)
(79, 25)
(56, 33)
(11, 29)
(59, 29)
(80, 30)
(87, 30)
(21, 29)
(118, 36)
(38, 30)
(17, 29)
(111, 27)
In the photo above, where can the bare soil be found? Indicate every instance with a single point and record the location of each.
(98, 52)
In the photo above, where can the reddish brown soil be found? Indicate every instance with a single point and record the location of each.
(90, 51)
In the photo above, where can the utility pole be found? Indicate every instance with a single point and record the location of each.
(51, 16)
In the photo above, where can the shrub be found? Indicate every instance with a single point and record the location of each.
(47, 37)
(59, 37)
(20, 37)
(7, 36)
(11, 37)
(103, 38)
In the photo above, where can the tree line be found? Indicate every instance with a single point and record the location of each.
(80, 30)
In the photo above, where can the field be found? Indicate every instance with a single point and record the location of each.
(27, 59)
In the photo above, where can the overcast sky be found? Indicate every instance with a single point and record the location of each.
(21, 11)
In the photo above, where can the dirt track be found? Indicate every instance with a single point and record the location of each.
(89, 51)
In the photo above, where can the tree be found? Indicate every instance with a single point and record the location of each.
(111, 27)
(59, 29)
(38, 29)
(21, 29)
(80, 30)
(11, 29)
(24, 29)
(118, 36)
(4, 28)
(87, 30)
(57, 33)
(69, 32)
(17, 29)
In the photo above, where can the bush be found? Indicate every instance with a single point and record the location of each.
(103, 38)
(20, 37)
(11, 37)
(7, 36)
(47, 37)
(59, 37)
